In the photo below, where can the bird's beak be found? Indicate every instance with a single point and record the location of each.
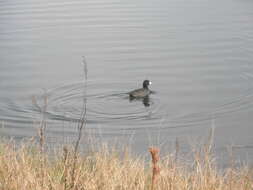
(150, 82)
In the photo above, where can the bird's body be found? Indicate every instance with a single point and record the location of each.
(141, 92)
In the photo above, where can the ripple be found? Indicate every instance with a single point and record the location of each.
(65, 103)
(113, 108)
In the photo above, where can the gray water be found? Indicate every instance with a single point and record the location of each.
(197, 53)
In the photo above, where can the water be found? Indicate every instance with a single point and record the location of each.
(197, 53)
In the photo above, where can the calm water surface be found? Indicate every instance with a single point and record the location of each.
(197, 53)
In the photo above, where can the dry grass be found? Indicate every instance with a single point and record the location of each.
(20, 168)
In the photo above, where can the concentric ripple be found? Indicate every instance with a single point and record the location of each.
(108, 106)
(113, 108)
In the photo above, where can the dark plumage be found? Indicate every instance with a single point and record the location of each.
(142, 92)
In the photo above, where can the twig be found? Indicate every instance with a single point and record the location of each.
(82, 123)
(177, 150)
(65, 161)
(41, 132)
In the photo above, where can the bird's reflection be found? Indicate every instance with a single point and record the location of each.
(145, 100)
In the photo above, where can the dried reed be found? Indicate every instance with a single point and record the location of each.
(106, 170)
(81, 124)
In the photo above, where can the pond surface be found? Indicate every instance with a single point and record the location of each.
(197, 53)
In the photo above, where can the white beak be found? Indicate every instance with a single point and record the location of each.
(150, 82)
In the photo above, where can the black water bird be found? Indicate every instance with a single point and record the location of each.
(142, 92)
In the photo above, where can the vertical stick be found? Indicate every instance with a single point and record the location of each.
(82, 122)
(155, 168)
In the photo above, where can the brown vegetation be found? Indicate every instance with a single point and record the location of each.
(21, 169)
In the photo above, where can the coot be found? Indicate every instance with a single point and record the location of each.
(142, 92)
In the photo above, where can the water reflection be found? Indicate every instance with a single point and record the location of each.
(145, 100)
